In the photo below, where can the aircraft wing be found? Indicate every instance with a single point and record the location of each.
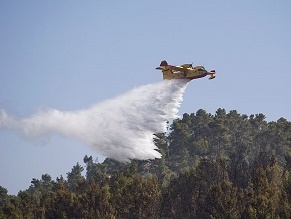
(177, 68)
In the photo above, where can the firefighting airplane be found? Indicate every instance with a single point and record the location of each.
(185, 71)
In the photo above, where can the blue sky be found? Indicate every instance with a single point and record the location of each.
(72, 54)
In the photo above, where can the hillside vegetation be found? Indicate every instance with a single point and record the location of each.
(225, 165)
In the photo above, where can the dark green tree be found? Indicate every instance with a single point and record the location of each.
(75, 178)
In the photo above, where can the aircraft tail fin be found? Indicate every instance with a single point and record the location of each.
(164, 63)
(167, 72)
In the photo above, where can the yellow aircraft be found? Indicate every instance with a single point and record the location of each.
(185, 71)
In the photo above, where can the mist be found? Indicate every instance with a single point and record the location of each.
(121, 128)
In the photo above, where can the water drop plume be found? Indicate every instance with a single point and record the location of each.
(121, 128)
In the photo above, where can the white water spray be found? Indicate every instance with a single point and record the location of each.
(121, 128)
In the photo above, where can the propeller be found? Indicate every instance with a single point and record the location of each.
(191, 65)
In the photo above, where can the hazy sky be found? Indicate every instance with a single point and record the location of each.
(70, 55)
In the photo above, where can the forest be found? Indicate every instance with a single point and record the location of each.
(226, 165)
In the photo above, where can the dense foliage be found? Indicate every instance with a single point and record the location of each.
(225, 165)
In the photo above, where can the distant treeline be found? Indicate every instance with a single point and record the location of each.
(225, 165)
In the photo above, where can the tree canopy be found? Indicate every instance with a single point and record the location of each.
(226, 165)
